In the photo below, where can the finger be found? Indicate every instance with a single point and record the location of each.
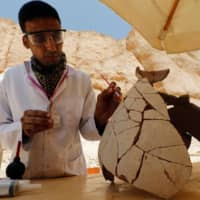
(118, 89)
(111, 91)
(36, 126)
(105, 93)
(37, 113)
(31, 129)
(32, 125)
(112, 84)
(110, 88)
(37, 120)
(117, 95)
(117, 98)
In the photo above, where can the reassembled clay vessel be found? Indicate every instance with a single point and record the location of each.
(141, 146)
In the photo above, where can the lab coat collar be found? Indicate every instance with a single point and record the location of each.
(35, 83)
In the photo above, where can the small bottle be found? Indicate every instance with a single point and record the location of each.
(12, 187)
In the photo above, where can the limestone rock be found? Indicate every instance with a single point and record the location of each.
(183, 66)
(142, 147)
(88, 51)
(116, 59)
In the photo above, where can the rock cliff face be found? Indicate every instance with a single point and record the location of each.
(116, 59)
(184, 68)
(89, 51)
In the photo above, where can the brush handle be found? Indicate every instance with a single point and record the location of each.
(105, 79)
(18, 148)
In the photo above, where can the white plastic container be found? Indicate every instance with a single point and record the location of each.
(12, 187)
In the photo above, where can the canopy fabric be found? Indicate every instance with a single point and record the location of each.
(170, 25)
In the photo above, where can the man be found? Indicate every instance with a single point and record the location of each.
(45, 102)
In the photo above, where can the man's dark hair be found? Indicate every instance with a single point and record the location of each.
(36, 9)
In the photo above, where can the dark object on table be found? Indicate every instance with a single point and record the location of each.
(107, 175)
(184, 116)
(16, 169)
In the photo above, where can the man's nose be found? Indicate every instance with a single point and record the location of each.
(50, 44)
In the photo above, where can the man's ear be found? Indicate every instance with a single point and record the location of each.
(25, 41)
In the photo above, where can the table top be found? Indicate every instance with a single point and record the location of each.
(95, 187)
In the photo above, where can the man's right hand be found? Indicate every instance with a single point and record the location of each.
(34, 121)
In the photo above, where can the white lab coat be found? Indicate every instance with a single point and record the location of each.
(57, 151)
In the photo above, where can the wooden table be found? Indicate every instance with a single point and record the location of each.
(94, 187)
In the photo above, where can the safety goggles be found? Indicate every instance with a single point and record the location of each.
(39, 38)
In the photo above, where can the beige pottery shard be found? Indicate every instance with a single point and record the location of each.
(141, 146)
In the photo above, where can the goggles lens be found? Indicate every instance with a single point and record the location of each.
(41, 37)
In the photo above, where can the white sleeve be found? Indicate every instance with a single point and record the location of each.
(10, 131)
(87, 125)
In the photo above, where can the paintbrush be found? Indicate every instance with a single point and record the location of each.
(108, 83)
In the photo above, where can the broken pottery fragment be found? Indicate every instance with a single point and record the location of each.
(141, 146)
